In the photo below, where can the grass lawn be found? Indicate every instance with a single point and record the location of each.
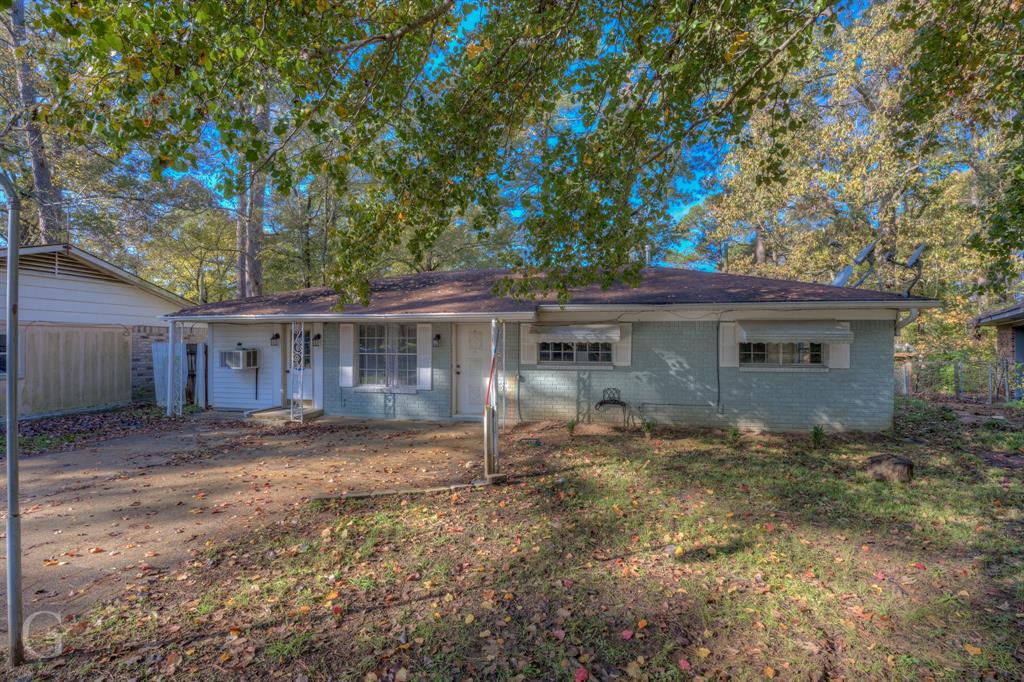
(690, 555)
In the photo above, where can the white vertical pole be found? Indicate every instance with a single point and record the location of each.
(14, 595)
(490, 412)
(503, 415)
(170, 367)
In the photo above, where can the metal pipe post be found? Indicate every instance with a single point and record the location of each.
(170, 368)
(14, 596)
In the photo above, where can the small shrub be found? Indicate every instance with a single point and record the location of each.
(818, 437)
(647, 425)
(734, 436)
(570, 426)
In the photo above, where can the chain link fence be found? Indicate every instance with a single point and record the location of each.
(977, 381)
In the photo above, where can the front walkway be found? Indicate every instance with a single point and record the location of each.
(121, 513)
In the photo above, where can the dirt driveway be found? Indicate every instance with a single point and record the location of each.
(130, 510)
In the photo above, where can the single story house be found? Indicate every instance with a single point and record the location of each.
(1009, 324)
(86, 331)
(685, 347)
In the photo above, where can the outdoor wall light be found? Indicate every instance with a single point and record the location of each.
(316, 341)
(437, 341)
(275, 339)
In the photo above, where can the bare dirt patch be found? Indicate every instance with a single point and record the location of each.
(129, 509)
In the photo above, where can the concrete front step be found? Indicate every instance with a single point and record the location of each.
(285, 414)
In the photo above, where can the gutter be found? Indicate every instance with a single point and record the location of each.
(901, 304)
(357, 317)
(1007, 317)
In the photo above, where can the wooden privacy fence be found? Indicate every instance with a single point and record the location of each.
(65, 368)
(980, 381)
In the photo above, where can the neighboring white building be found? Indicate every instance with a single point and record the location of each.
(87, 328)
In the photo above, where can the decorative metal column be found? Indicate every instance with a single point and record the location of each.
(491, 468)
(295, 371)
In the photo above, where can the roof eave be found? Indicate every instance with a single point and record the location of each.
(527, 316)
(518, 316)
(901, 304)
(109, 268)
(1004, 317)
(129, 278)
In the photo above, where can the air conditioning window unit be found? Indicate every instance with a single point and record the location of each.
(240, 358)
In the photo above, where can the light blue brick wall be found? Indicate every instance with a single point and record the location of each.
(432, 404)
(674, 379)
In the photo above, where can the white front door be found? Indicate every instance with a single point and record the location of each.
(472, 364)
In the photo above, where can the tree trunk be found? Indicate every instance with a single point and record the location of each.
(760, 249)
(201, 282)
(47, 195)
(307, 239)
(257, 202)
(242, 243)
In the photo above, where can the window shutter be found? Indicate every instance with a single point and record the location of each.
(622, 350)
(527, 346)
(346, 343)
(424, 350)
(728, 346)
(839, 355)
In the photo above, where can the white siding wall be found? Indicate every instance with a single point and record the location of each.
(234, 388)
(79, 300)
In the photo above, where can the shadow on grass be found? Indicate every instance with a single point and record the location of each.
(623, 559)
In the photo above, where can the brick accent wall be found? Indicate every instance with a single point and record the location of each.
(433, 404)
(143, 336)
(674, 378)
(1006, 342)
(143, 390)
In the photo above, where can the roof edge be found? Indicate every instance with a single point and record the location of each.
(106, 266)
(1000, 316)
(526, 316)
(900, 304)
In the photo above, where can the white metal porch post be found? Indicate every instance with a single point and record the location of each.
(490, 411)
(296, 371)
(170, 368)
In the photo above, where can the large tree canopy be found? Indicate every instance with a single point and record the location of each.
(968, 64)
(435, 109)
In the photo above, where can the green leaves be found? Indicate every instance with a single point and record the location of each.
(569, 123)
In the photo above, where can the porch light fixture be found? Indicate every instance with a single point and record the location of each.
(437, 341)
(316, 341)
(275, 339)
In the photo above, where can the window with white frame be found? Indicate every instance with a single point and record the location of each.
(387, 355)
(781, 354)
(3, 355)
(575, 352)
